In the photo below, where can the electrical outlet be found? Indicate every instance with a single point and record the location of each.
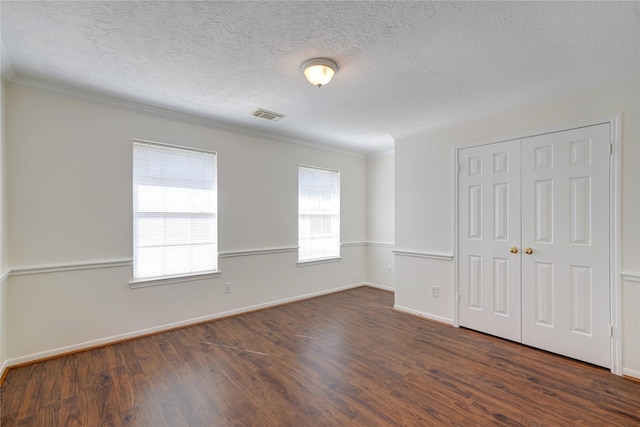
(227, 288)
(434, 291)
(389, 270)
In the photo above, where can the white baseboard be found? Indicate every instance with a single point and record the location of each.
(3, 368)
(166, 327)
(425, 315)
(631, 373)
(383, 287)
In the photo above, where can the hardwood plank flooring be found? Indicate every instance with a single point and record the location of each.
(345, 359)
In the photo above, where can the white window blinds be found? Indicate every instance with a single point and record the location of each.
(318, 213)
(175, 227)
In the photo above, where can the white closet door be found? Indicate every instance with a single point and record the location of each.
(565, 223)
(489, 226)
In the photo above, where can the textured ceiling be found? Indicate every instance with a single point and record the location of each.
(404, 66)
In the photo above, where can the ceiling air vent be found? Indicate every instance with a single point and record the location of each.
(269, 115)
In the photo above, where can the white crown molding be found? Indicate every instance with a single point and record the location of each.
(71, 92)
(498, 108)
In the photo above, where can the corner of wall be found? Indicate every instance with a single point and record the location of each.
(380, 230)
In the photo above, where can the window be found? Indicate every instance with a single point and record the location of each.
(318, 214)
(175, 226)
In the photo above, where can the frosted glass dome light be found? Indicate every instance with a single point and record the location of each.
(319, 71)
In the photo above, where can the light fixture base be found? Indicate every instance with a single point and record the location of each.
(319, 71)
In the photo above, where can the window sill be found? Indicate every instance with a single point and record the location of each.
(167, 280)
(305, 263)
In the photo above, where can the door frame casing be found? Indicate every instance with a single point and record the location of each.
(615, 309)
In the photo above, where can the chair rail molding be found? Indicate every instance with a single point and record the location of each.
(420, 254)
(263, 251)
(54, 268)
(381, 244)
(630, 277)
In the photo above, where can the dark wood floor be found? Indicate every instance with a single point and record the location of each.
(345, 359)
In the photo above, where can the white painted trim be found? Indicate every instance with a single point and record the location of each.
(615, 283)
(175, 146)
(418, 254)
(425, 315)
(145, 283)
(305, 263)
(614, 120)
(54, 268)
(170, 326)
(252, 252)
(69, 92)
(630, 277)
(352, 244)
(381, 245)
(455, 294)
(631, 373)
(4, 367)
(320, 168)
(383, 287)
(22, 271)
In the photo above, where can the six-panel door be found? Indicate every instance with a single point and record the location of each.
(548, 198)
(489, 227)
(565, 222)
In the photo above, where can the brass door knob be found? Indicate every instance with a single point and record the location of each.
(513, 250)
(528, 251)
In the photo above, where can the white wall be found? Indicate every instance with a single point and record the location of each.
(69, 194)
(424, 191)
(381, 220)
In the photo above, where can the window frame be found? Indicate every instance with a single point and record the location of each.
(332, 258)
(138, 282)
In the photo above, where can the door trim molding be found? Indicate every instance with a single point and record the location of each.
(615, 283)
(615, 122)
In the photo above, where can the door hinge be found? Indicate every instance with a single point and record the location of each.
(611, 330)
(611, 149)
(457, 168)
(458, 299)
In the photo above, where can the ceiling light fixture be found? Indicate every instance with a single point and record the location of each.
(319, 71)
